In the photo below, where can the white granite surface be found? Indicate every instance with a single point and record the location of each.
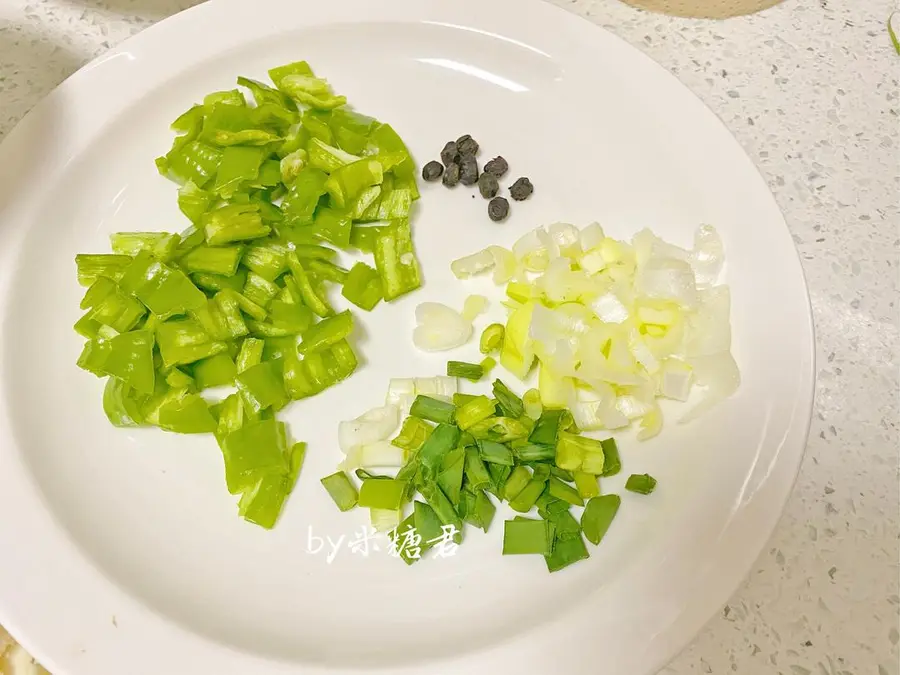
(810, 89)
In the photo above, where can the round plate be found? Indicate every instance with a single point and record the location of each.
(123, 552)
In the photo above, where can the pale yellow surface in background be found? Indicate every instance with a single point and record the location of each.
(707, 9)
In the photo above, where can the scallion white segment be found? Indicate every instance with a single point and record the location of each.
(614, 325)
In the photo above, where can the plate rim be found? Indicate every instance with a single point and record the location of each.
(115, 63)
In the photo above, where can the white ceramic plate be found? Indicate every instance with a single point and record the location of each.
(122, 551)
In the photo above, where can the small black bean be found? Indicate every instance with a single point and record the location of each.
(468, 170)
(432, 171)
(498, 209)
(497, 166)
(451, 175)
(521, 189)
(467, 145)
(450, 154)
(488, 185)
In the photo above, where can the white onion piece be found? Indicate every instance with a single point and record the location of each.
(440, 386)
(708, 330)
(708, 255)
(401, 393)
(667, 279)
(473, 306)
(385, 520)
(591, 236)
(720, 375)
(440, 328)
(375, 425)
(380, 454)
(675, 379)
(610, 309)
(566, 237)
(473, 264)
(505, 264)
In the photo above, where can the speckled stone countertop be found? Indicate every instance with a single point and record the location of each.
(810, 89)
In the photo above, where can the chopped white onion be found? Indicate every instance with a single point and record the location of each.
(440, 328)
(385, 520)
(473, 306)
(375, 425)
(380, 454)
(401, 393)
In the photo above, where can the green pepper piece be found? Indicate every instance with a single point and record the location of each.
(262, 386)
(192, 161)
(183, 341)
(327, 157)
(90, 266)
(130, 358)
(234, 222)
(122, 404)
(257, 448)
(258, 290)
(309, 90)
(332, 226)
(187, 415)
(384, 140)
(161, 245)
(347, 182)
(216, 371)
(395, 260)
(164, 290)
(363, 237)
(268, 260)
(118, 311)
(315, 301)
(303, 196)
(221, 260)
(362, 287)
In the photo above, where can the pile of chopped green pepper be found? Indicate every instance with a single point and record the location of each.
(461, 452)
(273, 188)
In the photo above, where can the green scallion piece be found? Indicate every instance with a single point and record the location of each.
(413, 433)
(565, 492)
(587, 485)
(483, 511)
(475, 410)
(527, 498)
(510, 405)
(342, 490)
(433, 410)
(451, 476)
(534, 452)
(460, 399)
(382, 493)
(476, 472)
(598, 515)
(566, 552)
(469, 371)
(495, 453)
(547, 427)
(431, 456)
(516, 482)
(643, 484)
(612, 463)
(492, 338)
(526, 536)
